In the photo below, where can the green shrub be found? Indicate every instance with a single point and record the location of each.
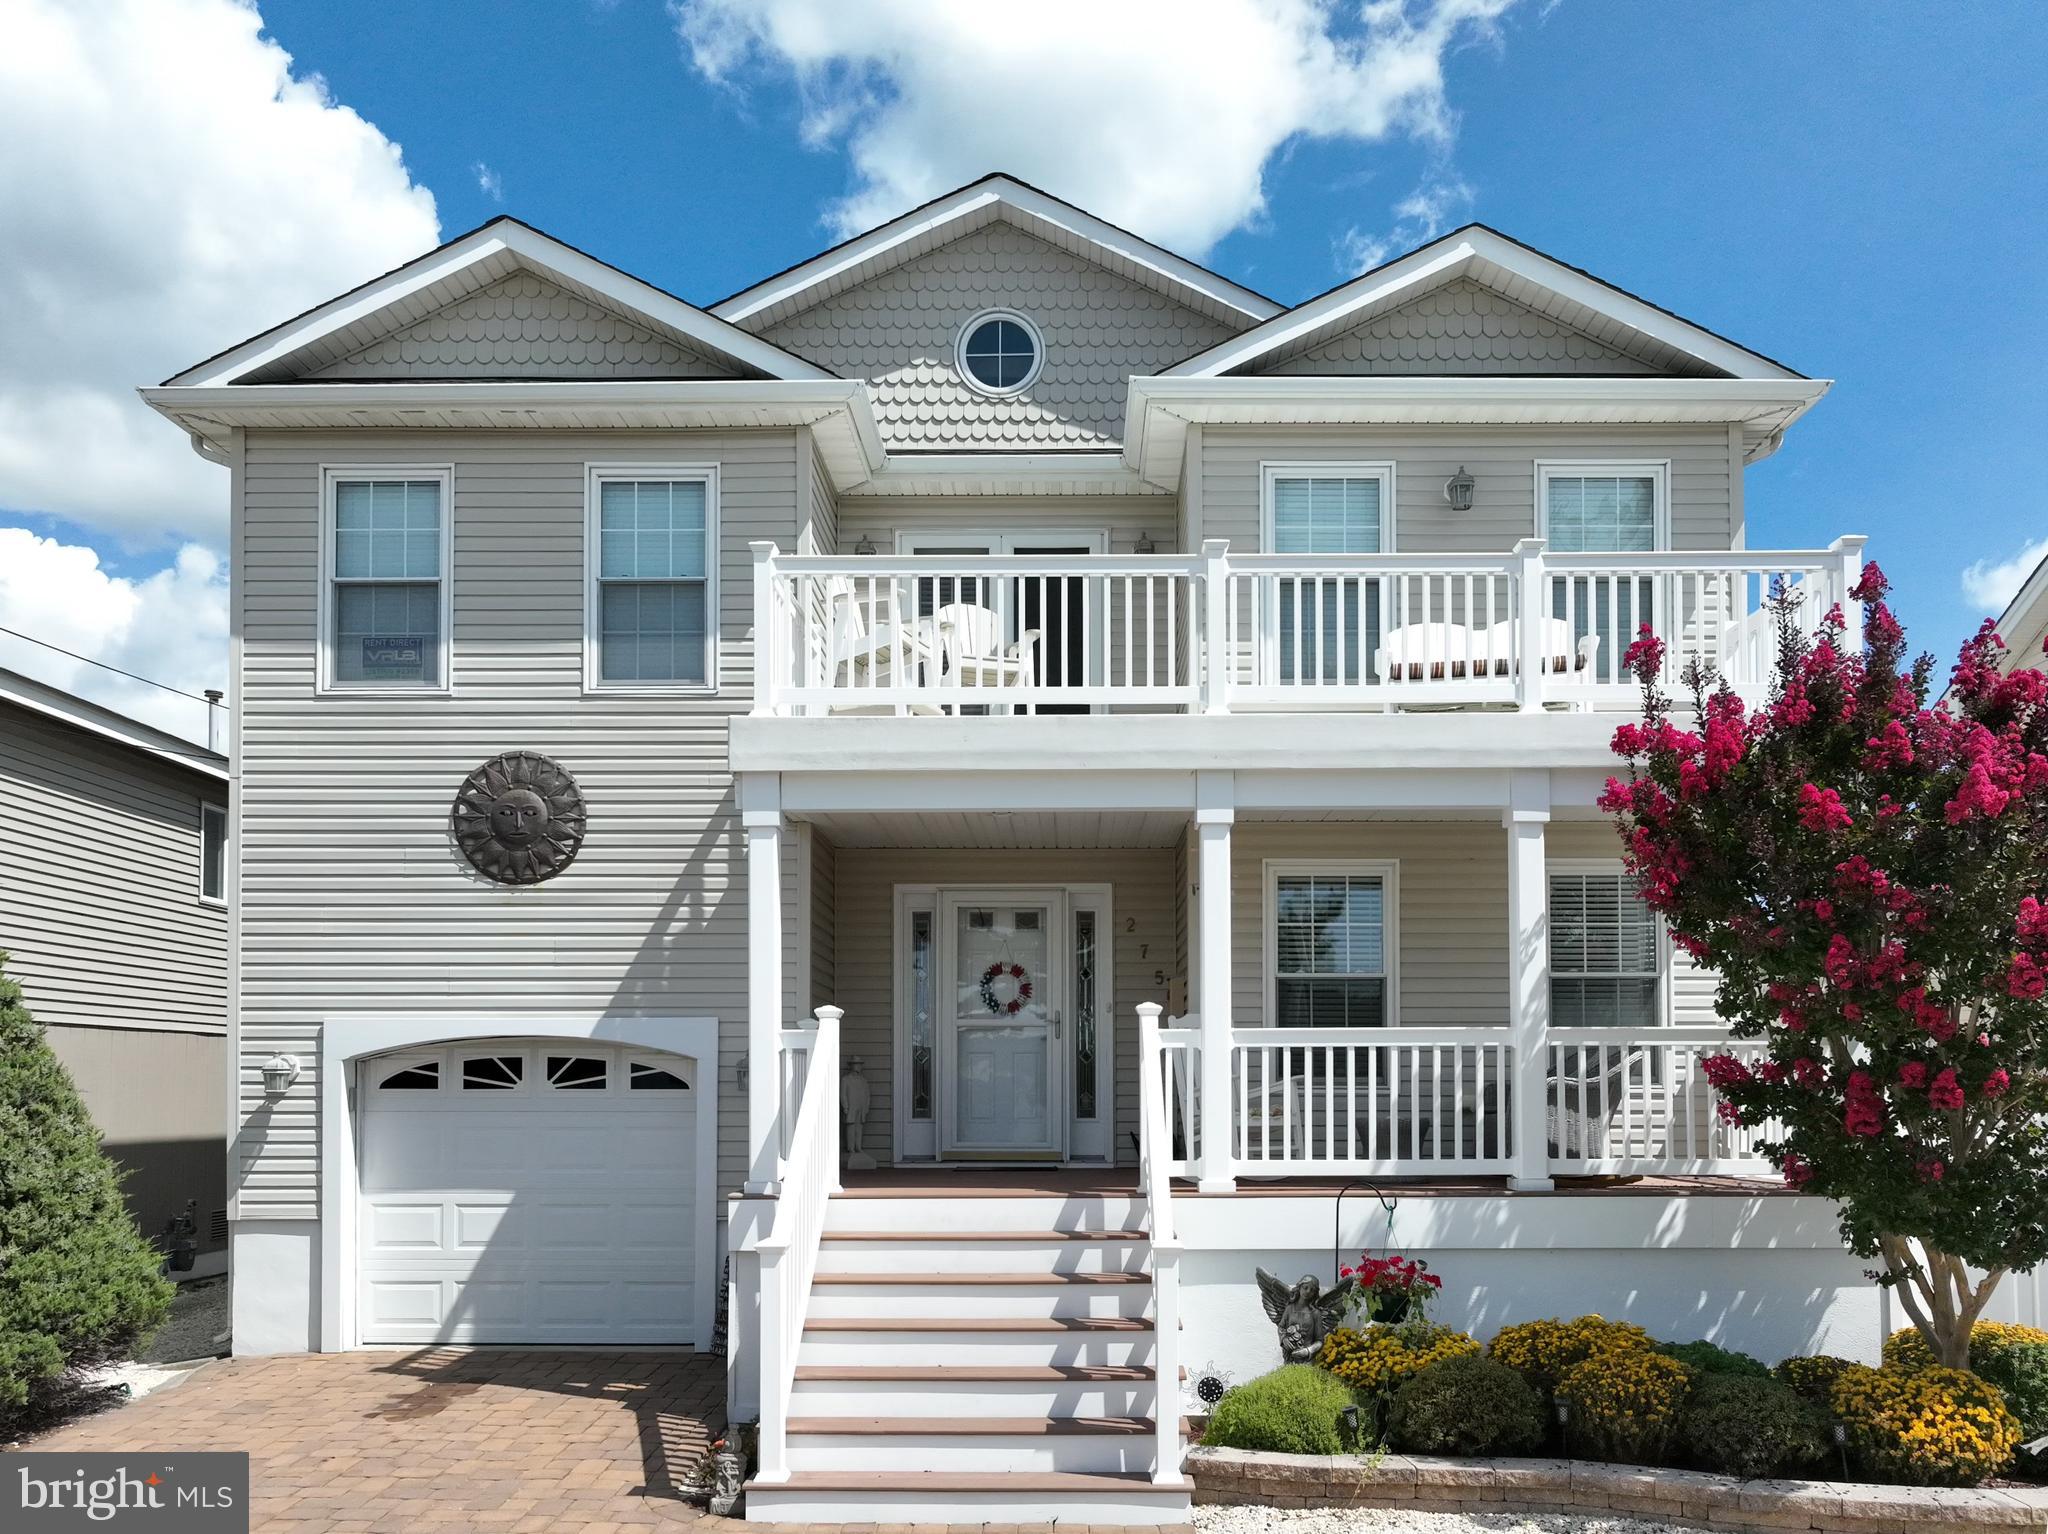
(1467, 1405)
(1293, 1410)
(1709, 1358)
(78, 1284)
(1813, 1378)
(1751, 1426)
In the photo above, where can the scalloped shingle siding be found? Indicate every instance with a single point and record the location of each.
(1462, 327)
(899, 330)
(524, 327)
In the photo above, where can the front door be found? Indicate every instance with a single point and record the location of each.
(1001, 979)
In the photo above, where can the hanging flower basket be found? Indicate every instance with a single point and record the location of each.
(1019, 988)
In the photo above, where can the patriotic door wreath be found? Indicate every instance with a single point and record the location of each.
(1020, 988)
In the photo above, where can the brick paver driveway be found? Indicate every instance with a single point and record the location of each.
(443, 1439)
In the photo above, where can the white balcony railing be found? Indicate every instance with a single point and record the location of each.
(1213, 632)
(1313, 1102)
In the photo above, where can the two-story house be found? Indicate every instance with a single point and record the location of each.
(983, 782)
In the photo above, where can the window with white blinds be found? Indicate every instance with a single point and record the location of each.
(655, 546)
(387, 543)
(1327, 630)
(1332, 957)
(1605, 955)
(1603, 508)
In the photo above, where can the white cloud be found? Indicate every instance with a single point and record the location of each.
(1419, 218)
(488, 181)
(169, 188)
(1990, 585)
(1163, 121)
(171, 626)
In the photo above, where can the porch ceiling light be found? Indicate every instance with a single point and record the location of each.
(279, 1072)
(1458, 490)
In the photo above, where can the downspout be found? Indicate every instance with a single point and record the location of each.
(206, 449)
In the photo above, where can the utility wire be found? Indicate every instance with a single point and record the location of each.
(105, 666)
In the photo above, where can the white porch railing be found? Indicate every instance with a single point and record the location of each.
(1421, 1102)
(1214, 631)
(1155, 1184)
(789, 1251)
(1641, 1103)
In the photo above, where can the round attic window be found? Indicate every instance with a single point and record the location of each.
(1000, 352)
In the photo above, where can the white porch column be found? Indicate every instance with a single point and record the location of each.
(1525, 818)
(1215, 795)
(761, 815)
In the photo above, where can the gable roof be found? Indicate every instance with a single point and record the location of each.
(962, 211)
(462, 266)
(95, 719)
(1568, 294)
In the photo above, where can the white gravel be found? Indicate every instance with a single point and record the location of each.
(1349, 1520)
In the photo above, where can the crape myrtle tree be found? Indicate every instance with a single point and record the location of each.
(1869, 876)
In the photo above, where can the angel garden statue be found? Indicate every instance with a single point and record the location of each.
(1303, 1315)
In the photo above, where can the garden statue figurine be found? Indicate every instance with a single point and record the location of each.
(1303, 1315)
(854, 1100)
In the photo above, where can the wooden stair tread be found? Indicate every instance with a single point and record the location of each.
(977, 1324)
(942, 1280)
(965, 1373)
(1006, 1427)
(987, 1235)
(935, 1481)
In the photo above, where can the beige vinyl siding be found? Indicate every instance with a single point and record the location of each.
(524, 326)
(1461, 328)
(823, 902)
(353, 897)
(100, 912)
(885, 519)
(820, 534)
(900, 328)
(1502, 461)
(1453, 966)
(1144, 899)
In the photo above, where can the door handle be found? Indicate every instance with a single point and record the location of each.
(1055, 1025)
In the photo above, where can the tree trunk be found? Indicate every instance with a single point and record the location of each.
(1939, 1298)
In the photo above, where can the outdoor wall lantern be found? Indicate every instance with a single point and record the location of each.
(279, 1072)
(1458, 490)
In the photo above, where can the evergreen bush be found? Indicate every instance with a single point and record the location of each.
(79, 1286)
(1297, 1409)
(1467, 1405)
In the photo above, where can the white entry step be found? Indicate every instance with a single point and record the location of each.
(934, 1496)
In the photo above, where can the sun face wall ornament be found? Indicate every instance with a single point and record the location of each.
(518, 818)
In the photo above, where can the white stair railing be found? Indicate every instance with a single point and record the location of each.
(789, 1251)
(1155, 1181)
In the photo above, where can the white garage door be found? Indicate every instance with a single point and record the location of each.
(522, 1191)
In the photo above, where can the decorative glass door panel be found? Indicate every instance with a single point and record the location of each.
(1000, 1025)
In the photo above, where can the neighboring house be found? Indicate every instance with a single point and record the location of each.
(2024, 623)
(995, 628)
(113, 916)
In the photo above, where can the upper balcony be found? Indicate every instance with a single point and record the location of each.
(1217, 633)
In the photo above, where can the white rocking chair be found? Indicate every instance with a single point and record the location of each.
(971, 639)
(866, 653)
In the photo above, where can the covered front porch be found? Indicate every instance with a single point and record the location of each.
(1438, 977)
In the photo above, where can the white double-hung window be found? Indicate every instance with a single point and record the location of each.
(1330, 931)
(384, 599)
(653, 590)
(1325, 627)
(1604, 508)
(1606, 950)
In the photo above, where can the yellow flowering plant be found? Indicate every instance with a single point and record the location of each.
(1925, 1427)
(1542, 1352)
(1624, 1402)
(1907, 1349)
(1813, 1377)
(1379, 1358)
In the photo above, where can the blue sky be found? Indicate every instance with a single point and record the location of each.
(1856, 191)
